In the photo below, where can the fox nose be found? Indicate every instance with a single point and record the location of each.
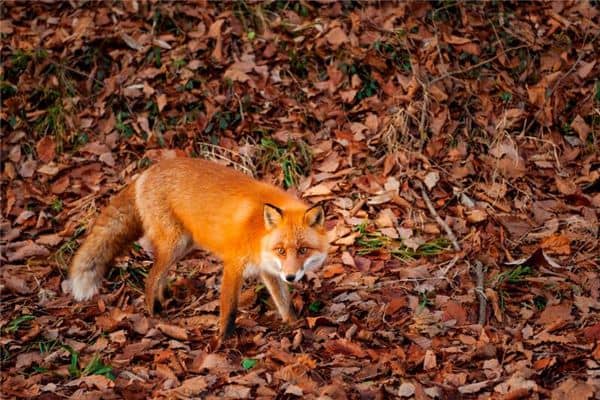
(290, 278)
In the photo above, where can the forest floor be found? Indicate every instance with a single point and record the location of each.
(454, 145)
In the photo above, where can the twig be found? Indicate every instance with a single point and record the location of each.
(357, 206)
(437, 218)
(478, 269)
(472, 67)
(76, 71)
(424, 113)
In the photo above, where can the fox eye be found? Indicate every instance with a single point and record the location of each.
(280, 250)
(302, 251)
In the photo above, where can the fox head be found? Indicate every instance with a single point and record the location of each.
(295, 241)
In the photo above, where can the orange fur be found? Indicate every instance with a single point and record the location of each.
(252, 226)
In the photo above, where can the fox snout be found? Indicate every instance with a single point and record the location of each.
(292, 277)
(293, 270)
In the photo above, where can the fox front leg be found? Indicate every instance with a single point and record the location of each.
(280, 295)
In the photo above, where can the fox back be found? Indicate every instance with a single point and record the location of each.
(231, 215)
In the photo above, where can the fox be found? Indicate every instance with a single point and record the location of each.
(253, 227)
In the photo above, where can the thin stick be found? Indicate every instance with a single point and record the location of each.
(437, 218)
(478, 269)
(472, 67)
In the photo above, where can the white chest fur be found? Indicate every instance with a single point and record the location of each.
(251, 271)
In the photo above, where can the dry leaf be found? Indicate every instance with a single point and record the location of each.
(336, 37)
(556, 244)
(45, 149)
(174, 331)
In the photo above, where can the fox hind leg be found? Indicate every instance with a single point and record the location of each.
(230, 293)
(170, 245)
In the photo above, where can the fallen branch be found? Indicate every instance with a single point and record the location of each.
(437, 218)
(478, 269)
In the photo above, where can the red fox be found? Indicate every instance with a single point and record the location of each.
(255, 228)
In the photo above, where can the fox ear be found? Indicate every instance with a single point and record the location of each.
(272, 215)
(315, 216)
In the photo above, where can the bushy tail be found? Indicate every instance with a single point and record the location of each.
(117, 226)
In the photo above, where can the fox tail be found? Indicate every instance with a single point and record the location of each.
(118, 225)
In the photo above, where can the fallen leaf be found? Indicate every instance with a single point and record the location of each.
(344, 346)
(556, 244)
(236, 392)
(572, 388)
(406, 389)
(582, 129)
(193, 386)
(131, 42)
(336, 37)
(45, 149)
(473, 387)
(429, 361)
(26, 250)
(161, 101)
(174, 331)
(552, 314)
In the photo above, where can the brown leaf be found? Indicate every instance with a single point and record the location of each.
(475, 216)
(192, 386)
(318, 321)
(27, 169)
(538, 258)
(131, 42)
(213, 362)
(322, 189)
(348, 95)
(25, 360)
(429, 362)
(336, 37)
(552, 314)
(333, 270)
(586, 67)
(215, 32)
(452, 39)
(573, 389)
(60, 185)
(26, 250)
(592, 332)
(46, 149)
(330, 164)
(49, 169)
(582, 129)
(566, 186)
(15, 283)
(236, 392)
(473, 387)
(99, 381)
(161, 101)
(584, 303)
(107, 158)
(516, 225)
(95, 148)
(174, 331)
(454, 310)
(51, 239)
(345, 346)
(556, 244)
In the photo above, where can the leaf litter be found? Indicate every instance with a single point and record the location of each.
(439, 136)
